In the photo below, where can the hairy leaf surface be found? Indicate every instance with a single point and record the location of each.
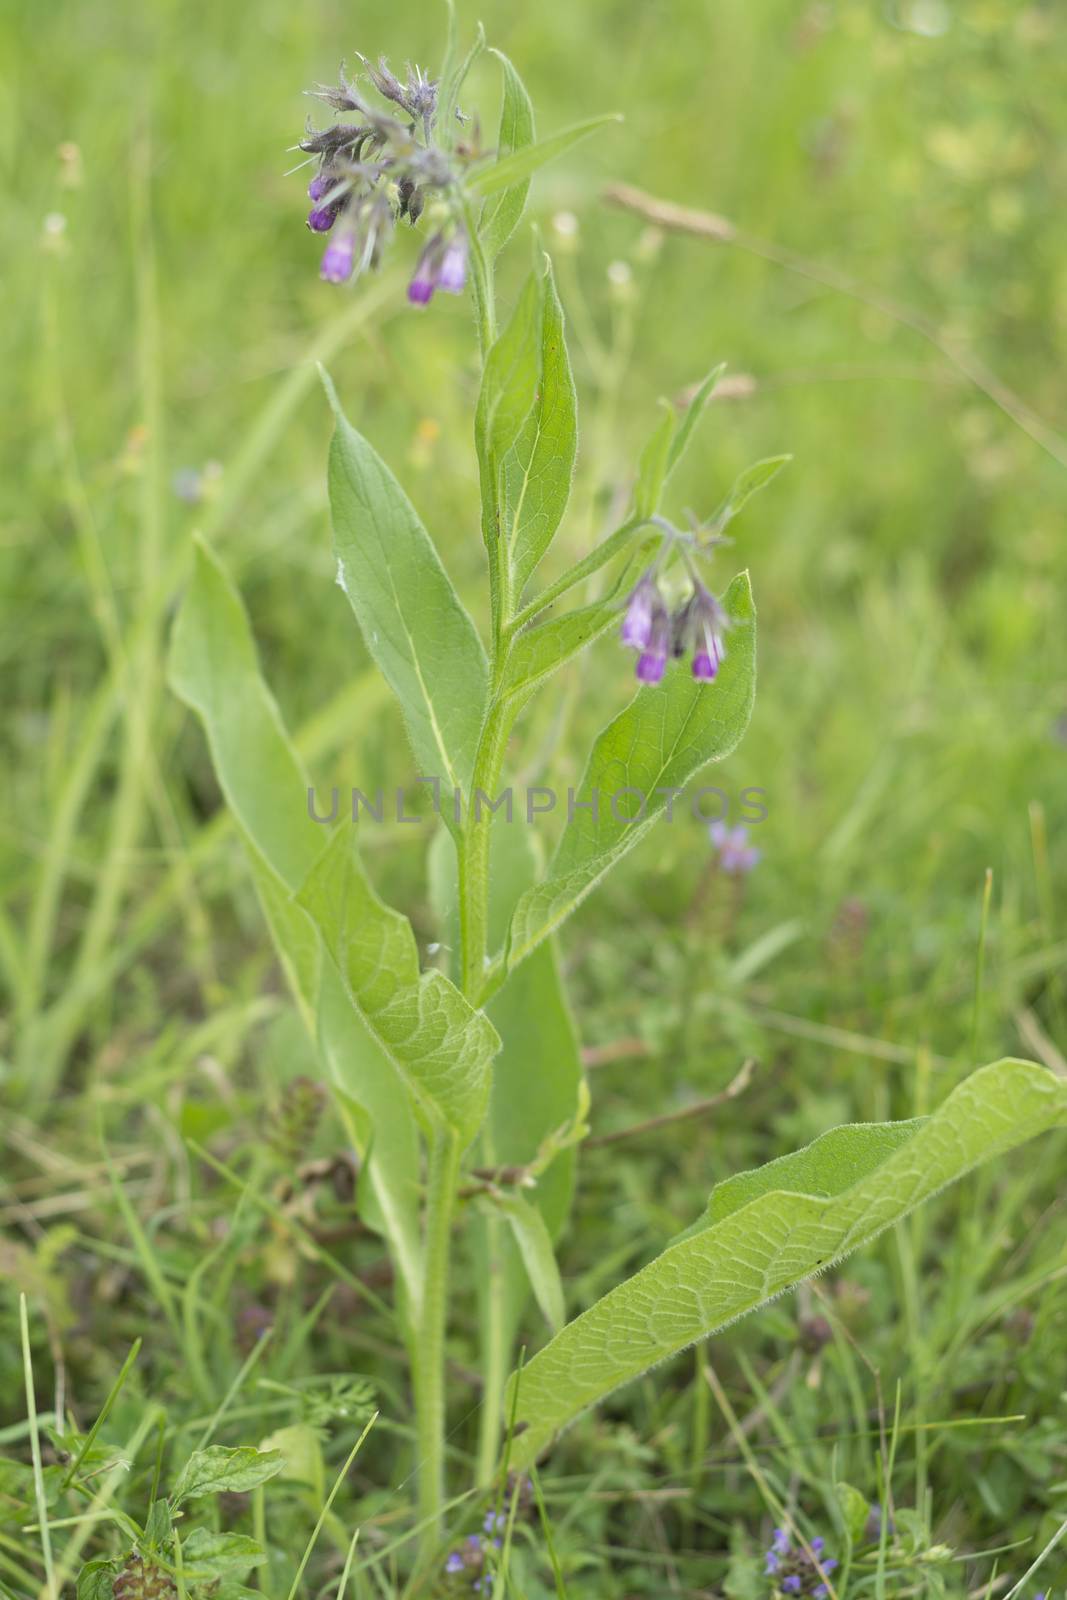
(439, 1044)
(409, 614)
(764, 1236)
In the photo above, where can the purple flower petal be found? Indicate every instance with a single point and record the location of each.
(339, 260)
(651, 667)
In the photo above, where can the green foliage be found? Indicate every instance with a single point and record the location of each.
(411, 619)
(218, 1470)
(439, 1045)
(660, 742)
(764, 1236)
(502, 212)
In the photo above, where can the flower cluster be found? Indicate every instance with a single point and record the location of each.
(469, 1564)
(796, 1571)
(375, 168)
(656, 632)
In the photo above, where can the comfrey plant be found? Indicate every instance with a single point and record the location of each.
(463, 1088)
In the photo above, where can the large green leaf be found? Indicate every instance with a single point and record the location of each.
(411, 618)
(502, 212)
(439, 1044)
(537, 470)
(656, 745)
(762, 1238)
(215, 670)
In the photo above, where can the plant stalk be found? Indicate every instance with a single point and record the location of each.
(429, 1353)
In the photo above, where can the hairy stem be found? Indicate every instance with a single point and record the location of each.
(429, 1362)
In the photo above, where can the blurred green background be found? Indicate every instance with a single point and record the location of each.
(909, 568)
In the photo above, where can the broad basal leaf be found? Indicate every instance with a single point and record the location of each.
(665, 736)
(502, 212)
(761, 1239)
(214, 669)
(411, 618)
(439, 1044)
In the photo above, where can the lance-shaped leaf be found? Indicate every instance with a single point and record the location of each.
(848, 1191)
(411, 618)
(653, 465)
(537, 471)
(524, 163)
(539, 652)
(748, 483)
(663, 738)
(215, 670)
(439, 1044)
(503, 210)
(679, 443)
(512, 372)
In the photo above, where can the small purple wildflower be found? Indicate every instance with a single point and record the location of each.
(637, 623)
(798, 1571)
(495, 1522)
(322, 218)
(454, 1562)
(652, 662)
(442, 265)
(319, 186)
(339, 259)
(736, 857)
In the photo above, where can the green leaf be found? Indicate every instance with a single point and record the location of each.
(214, 669)
(220, 1470)
(693, 413)
(537, 471)
(748, 483)
(536, 654)
(514, 168)
(775, 1240)
(159, 1526)
(663, 738)
(535, 1246)
(301, 1452)
(411, 618)
(207, 1555)
(502, 212)
(96, 1579)
(509, 382)
(441, 1046)
(652, 467)
(854, 1511)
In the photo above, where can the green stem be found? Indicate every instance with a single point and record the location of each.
(429, 1355)
(495, 1354)
(474, 850)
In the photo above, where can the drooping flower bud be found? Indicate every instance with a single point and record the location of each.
(637, 622)
(652, 662)
(322, 218)
(339, 259)
(442, 265)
